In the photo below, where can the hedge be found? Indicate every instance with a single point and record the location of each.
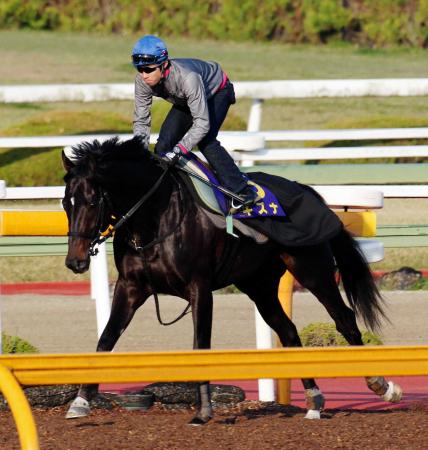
(15, 344)
(321, 334)
(364, 22)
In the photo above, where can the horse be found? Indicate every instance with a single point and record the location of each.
(164, 242)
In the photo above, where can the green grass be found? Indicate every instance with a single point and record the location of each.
(28, 269)
(87, 58)
(30, 57)
(83, 58)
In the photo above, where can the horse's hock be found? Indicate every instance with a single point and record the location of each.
(361, 221)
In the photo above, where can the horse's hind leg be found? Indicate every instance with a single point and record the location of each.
(123, 309)
(263, 290)
(315, 270)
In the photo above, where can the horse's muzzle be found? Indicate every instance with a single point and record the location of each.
(77, 265)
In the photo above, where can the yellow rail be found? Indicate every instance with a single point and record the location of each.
(54, 223)
(33, 223)
(196, 365)
(20, 408)
(219, 365)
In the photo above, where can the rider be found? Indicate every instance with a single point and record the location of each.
(201, 94)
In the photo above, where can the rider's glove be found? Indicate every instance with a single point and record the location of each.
(174, 155)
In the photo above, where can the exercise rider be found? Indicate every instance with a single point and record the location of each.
(201, 95)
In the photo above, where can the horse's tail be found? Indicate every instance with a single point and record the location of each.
(360, 288)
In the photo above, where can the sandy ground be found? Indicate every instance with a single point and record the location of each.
(58, 324)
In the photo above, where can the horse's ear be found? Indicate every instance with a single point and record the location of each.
(66, 162)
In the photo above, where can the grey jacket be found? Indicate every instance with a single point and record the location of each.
(188, 82)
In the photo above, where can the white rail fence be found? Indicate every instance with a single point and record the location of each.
(250, 147)
(256, 90)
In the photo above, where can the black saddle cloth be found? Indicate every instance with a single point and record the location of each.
(308, 219)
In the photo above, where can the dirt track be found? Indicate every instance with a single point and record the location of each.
(67, 324)
(57, 324)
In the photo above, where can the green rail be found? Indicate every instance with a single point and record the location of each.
(36, 246)
(401, 236)
(348, 173)
(392, 236)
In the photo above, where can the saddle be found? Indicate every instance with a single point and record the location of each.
(216, 204)
(267, 205)
(290, 213)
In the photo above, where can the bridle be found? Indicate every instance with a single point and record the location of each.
(98, 229)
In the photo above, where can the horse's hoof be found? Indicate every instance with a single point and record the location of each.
(314, 402)
(394, 393)
(79, 408)
(313, 414)
(198, 421)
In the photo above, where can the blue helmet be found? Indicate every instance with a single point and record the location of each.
(149, 50)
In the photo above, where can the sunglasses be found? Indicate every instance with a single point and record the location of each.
(145, 69)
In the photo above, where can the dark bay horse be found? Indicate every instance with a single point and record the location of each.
(169, 245)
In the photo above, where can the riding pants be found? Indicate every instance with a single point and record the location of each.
(179, 120)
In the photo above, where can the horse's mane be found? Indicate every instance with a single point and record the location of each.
(91, 157)
(111, 150)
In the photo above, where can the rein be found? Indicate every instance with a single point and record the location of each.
(140, 249)
(103, 237)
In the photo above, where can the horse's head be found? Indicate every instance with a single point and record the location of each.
(84, 204)
(123, 169)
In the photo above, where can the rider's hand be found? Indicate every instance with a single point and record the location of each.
(174, 155)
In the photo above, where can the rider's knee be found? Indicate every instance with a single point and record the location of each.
(209, 146)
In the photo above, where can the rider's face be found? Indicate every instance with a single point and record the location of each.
(152, 78)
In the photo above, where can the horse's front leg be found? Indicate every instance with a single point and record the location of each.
(125, 303)
(202, 313)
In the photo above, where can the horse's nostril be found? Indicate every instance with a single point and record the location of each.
(77, 265)
(83, 265)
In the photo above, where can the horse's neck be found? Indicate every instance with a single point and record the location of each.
(160, 210)
(127, 182)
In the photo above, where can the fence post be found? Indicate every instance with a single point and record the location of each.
(285, 295)
(2, 195)
(255, 117)
(100, 288)
(254, 123)
(263, 341)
